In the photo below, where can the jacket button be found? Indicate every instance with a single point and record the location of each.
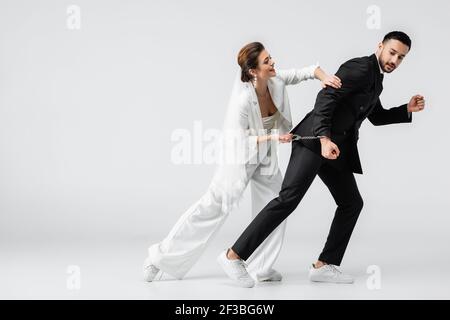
(361, 108)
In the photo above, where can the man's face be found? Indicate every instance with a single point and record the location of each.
(391, 54)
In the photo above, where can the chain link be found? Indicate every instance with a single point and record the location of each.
(297, 137)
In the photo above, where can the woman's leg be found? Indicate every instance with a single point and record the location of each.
(187, 240)
(264, 189)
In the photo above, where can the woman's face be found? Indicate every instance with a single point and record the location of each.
(266, 66)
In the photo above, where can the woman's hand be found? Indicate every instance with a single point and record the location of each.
(326, 79)
(285, 138)
(331, 81)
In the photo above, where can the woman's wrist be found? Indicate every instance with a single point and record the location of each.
(319, 74)
(268, 137)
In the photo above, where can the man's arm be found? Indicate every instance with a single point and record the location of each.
(403, 114)
(354, 75)
(380, 116)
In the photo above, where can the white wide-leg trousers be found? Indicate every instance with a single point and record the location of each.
(195, 229)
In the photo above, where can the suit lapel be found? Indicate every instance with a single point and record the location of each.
(276, 90)
(276, 95)
(377, 83)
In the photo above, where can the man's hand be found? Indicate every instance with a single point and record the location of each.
(416, 104)
(329, 149)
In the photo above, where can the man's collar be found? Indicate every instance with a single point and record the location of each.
(378, 61)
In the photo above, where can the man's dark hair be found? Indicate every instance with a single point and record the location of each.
(400, 36)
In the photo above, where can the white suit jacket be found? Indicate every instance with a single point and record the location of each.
(250, 112)
(230, 178)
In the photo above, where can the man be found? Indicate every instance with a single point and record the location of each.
(333, 156)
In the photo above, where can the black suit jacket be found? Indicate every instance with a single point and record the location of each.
(339, 113)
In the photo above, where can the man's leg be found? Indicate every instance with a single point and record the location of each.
(344, 190)
(302, 169)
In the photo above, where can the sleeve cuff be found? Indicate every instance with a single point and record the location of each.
(312, 69)
(323, 133)
(409, 113)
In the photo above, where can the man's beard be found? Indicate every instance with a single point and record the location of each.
(384, 64)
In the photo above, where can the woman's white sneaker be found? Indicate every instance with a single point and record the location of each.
(150, 271)
(329, 273)
(271, 275)
(236, 270)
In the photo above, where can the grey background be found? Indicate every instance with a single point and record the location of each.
(86, 118)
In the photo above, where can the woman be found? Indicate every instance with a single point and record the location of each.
(259, 103)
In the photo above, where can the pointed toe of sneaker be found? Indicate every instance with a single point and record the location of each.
(271, 275)
(149, 271)
(329, 274)
(236, 271)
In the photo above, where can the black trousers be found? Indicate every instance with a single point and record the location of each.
(303, 167)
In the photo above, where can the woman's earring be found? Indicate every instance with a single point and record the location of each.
(254, 80)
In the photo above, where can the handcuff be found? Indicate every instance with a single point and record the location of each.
(296, 137)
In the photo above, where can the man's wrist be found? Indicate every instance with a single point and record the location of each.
(409, 112)
(324, 139)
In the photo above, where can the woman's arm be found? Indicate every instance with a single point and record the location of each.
(254, 140)
(284, 138)
(295, 76)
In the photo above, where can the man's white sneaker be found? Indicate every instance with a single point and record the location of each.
(150, 271)
(329, 273)
(236, 271)
(271, 275)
